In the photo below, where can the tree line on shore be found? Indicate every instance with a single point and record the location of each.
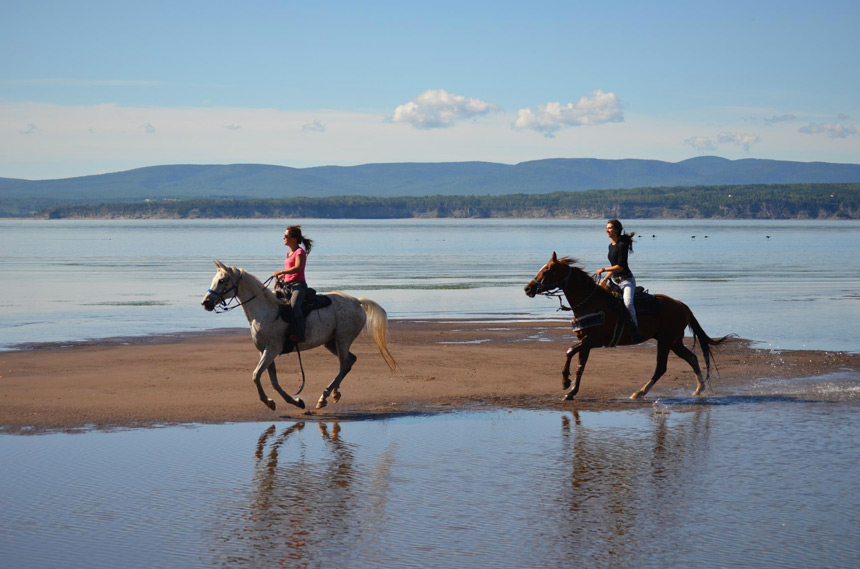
(759, 201)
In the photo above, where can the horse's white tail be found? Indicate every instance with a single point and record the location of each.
(377, 326)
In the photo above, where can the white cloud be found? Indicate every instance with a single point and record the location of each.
(76, 140)
(832, 130)
(315, 126)
(552, 117)
(437, 108)
(745, 140)
(233, 127)
(700, 143)
(148, 128)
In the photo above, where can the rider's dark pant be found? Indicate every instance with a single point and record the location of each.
(295, 293)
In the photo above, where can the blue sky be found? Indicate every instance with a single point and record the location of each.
(91, 87)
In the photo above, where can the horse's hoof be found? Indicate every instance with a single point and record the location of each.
(569, 397)
(270, 404)
(321, 403)
(565, 383)
(637, 395)
(300, 404)
(335, 396)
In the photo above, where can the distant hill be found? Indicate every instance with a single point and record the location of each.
(258, 181)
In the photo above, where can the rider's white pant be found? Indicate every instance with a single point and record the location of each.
(628, 289)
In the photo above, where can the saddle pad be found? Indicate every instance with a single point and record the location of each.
(311, 303)
(315, 302)
(588, 321)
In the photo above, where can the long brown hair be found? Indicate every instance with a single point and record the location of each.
(296, 231)
(625, 237)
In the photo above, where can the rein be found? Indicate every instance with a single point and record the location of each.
(557, 290)
(227, 305)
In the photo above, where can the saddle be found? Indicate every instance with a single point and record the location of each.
(313, 301)
(643, 301)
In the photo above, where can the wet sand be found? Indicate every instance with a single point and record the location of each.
(443, 365)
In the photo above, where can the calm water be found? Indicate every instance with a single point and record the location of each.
(764, 280)
(763, 476)
(757, 482)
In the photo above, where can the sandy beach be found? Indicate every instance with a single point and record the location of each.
(443, 365)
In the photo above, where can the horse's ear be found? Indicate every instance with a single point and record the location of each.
(554, 257)
(218, 264)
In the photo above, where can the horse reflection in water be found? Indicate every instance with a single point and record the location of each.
(620, 495)
(304, 503)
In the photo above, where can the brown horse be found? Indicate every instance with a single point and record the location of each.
(602, 320)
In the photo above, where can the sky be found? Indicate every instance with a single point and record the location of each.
(91, 87)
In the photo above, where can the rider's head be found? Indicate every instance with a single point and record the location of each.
(616, 233)
(295, 231)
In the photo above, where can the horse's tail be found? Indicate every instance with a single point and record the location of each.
(377, 326)
(706, 342)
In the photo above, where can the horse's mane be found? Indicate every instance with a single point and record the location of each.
(570, 261)
(575, 266)
(260, 288)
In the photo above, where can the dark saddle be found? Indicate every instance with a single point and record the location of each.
(313, 301)
(643, 301)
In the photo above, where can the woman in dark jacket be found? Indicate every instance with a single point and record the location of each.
(619, 269)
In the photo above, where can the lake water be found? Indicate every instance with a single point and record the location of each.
(769, 281)
(751, 482)
(764, 476)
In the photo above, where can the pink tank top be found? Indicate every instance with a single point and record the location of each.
(291, 261)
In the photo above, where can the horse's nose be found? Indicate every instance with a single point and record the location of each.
(529, 290)
(208, 305)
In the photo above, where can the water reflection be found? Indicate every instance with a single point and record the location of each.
(628, 488)
(769, 484)
(300, 504)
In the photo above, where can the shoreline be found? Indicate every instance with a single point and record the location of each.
(444, 365)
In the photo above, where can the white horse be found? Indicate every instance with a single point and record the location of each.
(336, 327)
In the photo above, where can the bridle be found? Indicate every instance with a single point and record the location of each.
(547, 289)
(226, 305)
(556, 289)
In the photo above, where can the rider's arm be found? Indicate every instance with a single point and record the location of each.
(609, 271)
(300, 263)
(612, 269)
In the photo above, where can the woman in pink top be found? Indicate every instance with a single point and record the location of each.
(292, 279)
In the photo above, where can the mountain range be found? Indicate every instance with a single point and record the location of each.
(259, 181)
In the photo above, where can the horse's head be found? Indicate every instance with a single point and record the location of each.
(224, 286)
(551, 276)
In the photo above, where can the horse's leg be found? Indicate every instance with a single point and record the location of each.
(580, 368)
(347, 359)
(688, 356)
(273, 377)
(662, 358)
(267, 357)
(565, 373)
